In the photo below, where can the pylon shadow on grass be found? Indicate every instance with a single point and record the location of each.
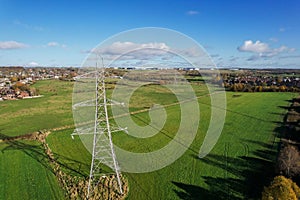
(34, 151)
(37, 152)
(75, 167)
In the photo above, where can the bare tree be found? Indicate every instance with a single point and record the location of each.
(289, 161)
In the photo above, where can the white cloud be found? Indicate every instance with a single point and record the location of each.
(192, 12)
(12, 45)
(143, 51)
(214, 55)
(27, 26)
(190, 52)
(273, 39)
(257, 47)
(233, 58)
(52, 44)
(153, 52)
(130, 50)
(262, 50)
(33, 64)
(282, 30)
(276, 51)
(123, 47)
(289, 56)
(56, 44)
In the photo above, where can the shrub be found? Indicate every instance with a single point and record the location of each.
(281, 188)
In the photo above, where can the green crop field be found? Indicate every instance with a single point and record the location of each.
(237, 168)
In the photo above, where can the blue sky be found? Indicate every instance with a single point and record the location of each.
(236, 33)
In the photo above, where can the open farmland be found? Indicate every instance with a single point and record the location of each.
(245, 150)
(51, 110)
(25, 170)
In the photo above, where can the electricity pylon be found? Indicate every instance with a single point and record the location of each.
(103, 150)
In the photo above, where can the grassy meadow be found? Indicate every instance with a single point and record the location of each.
(51, 110)
(25, 171)
(245, 151)
(237, 168)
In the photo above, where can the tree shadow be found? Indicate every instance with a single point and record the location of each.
(289, 100)
(289, 129)
(245, 176)
(37, 152)
(192, 192)
(284, 107)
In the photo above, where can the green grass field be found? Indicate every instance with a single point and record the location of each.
(25, 172)
(29, 115)
(237, 168)
(245, 151)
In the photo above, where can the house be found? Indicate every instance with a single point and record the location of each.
(23, 94)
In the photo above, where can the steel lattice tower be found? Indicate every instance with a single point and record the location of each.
(103, 150)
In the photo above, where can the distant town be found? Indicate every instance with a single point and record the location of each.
(275, 80)
(17, 82)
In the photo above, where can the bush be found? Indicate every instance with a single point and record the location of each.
(281, 188)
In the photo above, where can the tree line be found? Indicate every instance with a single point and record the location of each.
(284, 185)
